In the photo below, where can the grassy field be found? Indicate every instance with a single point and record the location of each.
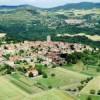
(91, 37)
(84, 12)
(62, 77)
(93, 97)
(92, 85)
(52, 95)
(8, 91)
(19, 87)
(24, 83)
(85, 69)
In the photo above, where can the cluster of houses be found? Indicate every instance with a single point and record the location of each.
(74, 21)
(32, 52)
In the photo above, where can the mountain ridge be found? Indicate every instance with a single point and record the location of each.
(81, 5)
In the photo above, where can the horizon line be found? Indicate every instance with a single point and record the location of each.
(48, 7)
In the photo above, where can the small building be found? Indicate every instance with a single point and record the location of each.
(32, 73)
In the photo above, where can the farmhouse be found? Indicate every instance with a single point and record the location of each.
(32, 73)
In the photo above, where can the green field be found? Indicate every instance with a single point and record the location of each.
(19, 87)
(62, 77)
(81, 68)
(52, 95)
(92, 85)
(24, 83)
(8, 91)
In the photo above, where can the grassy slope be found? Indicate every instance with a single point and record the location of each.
(52, 95)
(24, 83)
(62, 77)
(92, 85)
(8, 91)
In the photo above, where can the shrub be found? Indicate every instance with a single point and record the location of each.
(98, 93)
(92, 91)
(89, 98)
(45, 75)
(52, 74)
(82, 82)
(80, 87)
(50, 87)
(98, 69)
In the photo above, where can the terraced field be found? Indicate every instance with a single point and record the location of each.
(12, 92)
(8, 91)
(19, 87)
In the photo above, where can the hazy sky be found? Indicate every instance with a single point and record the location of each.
(42, 3)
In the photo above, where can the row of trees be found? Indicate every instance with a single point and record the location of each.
(87, 57)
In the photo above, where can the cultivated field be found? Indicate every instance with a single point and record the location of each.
(84, 12)
(24, 83)
(19, 87)
(92, 85)
(8, 91)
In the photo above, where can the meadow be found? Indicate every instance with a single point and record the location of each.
(93, 85)
(17, 86)
(60, 78)
(9, 91)
(52, 94)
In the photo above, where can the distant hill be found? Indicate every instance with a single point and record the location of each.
(18, 7)
(26, 22)
(82, 5)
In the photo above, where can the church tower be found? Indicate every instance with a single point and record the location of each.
(48, 38)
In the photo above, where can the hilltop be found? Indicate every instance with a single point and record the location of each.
(81, 5)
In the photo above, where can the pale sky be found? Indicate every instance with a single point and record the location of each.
(42, 3)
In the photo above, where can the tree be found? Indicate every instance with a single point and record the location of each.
(92, 91)
(8, 68)
(8, 71)
(6, 56)
(52, 74)
(50, 87)
(89, 98)
(45, 75)
(98, 93)
(98, 69)
(80, 87)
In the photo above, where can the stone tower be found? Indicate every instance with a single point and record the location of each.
(48, 38)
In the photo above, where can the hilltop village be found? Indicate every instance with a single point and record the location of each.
(47, 53)
(50, 54)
